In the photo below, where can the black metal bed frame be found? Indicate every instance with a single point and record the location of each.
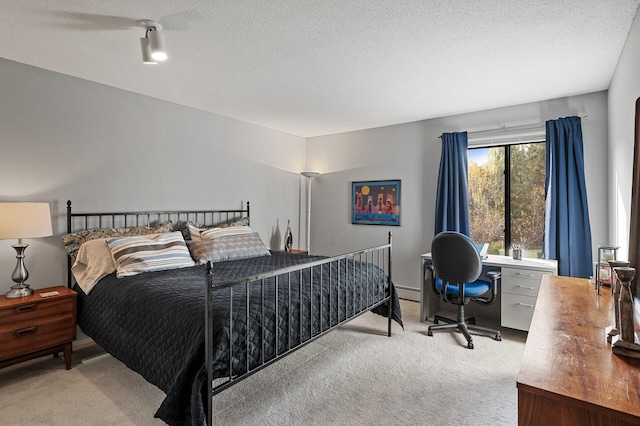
(379, 256)
(145, 218)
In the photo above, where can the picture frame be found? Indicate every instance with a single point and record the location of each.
(376, 202)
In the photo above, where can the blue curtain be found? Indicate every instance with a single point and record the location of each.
(452, 202)
(567, 232)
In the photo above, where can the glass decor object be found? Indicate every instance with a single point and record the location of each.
(516, 251)
(603, 277)
(288, 238)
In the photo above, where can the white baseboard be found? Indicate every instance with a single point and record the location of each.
(408, 293)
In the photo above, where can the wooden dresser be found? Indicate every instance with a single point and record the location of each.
(569, 376)
(34, 326)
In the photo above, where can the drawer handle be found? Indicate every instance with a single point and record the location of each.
(25, 308)
(525, 304)
(520, 274)
(25, 331)
(528, 288)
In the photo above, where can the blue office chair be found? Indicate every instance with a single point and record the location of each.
(456, 271)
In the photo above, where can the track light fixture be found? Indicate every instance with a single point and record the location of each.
(146, 51)
(152, 44)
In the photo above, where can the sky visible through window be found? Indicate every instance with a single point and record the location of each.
(478, 155)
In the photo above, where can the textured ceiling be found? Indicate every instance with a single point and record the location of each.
(319, 67)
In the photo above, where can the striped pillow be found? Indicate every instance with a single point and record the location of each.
(229, 247)
(210, 234)
(193, 230)
(146, 253)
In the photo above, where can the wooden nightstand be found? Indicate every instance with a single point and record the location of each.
(34, 326)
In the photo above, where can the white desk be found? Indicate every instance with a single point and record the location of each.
(519, 287)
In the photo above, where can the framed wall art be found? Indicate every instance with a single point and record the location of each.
(375, 202)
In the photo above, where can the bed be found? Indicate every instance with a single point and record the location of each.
(198, 328)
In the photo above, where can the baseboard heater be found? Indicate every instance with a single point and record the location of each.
(408, 293)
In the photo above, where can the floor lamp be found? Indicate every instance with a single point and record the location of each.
(309, 175)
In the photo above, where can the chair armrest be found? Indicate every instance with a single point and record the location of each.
(429, 266)
(494, 275)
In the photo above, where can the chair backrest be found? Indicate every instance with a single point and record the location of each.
(455, 258)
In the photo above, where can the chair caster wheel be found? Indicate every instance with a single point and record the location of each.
(470, 345)
(498, 337)
(429, 333)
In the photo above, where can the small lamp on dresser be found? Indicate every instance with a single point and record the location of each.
(18, 221)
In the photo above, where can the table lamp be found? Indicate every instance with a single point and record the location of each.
(18, 221)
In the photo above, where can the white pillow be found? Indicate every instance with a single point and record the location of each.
(146, 253)
(93, 262)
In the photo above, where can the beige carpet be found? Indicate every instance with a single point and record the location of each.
(352, 376)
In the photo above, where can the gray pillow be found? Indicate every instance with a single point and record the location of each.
(229, 247)
(190, 227)
(73, 241)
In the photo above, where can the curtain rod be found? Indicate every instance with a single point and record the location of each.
(512, 129)
(505, 129)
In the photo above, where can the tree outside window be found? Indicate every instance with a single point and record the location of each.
(507, 209)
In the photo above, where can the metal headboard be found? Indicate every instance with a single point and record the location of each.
(86, 221)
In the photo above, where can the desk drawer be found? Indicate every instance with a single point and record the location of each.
(516, 311)
(522, 286)
(518, 273)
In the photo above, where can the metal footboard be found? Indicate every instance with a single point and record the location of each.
(367, 285)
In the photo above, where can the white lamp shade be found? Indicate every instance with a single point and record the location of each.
(25, 220)
(156, 45)
(146, 51)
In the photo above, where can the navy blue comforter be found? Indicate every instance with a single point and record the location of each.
(154, 322)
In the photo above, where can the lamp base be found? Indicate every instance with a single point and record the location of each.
(20, 273)
(20, 290)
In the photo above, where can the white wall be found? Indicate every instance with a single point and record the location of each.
(411, 152)
(107, 149)
(623, 92)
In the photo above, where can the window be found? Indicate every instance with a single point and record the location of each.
(508, 208)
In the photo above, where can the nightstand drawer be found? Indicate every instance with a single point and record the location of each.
(33, 326)
(36, 335)
(35, 310)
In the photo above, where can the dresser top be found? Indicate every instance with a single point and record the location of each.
(567, 354)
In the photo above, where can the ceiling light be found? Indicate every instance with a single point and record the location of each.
(156, 45)
(152, 44)
(146, 51)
